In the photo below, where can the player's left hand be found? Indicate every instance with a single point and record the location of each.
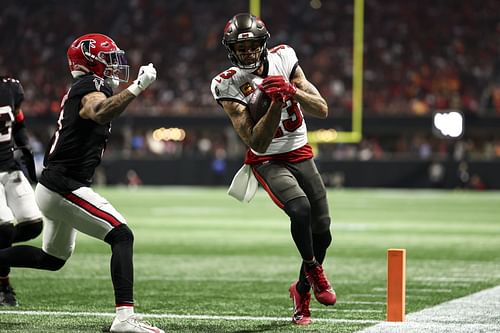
(278, 88)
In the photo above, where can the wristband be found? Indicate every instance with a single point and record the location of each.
(134, 89)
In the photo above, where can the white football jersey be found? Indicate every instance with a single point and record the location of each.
(237, 85)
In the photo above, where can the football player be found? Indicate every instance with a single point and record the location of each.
(20, 218)
(279, 155)
(64, 194)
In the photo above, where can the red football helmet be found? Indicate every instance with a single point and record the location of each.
(98, 54)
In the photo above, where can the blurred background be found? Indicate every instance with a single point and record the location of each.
(421, 58)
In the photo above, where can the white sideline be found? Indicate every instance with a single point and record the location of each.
(476, 313)
(177, 316)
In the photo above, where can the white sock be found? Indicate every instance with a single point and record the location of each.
(123, 312)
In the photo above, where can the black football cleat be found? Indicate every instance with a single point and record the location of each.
(7, 296)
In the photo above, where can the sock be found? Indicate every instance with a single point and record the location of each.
(122, 266)
(7, 233)
(311, 263)
(303, 286)
(124, 311)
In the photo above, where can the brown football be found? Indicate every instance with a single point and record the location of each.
(258, 104)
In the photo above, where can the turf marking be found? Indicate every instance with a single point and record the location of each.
(419, 290)
(345, 310)
(361, 302)
(455, 279)
(479, 312)
(178, 316)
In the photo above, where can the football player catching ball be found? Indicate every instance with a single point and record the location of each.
(279, 155)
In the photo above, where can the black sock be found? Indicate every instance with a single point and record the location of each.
(303, 285)
(311, 263)
(299, 211)
(121, 240)
(321, 242)
(29, 257)
(7, 234)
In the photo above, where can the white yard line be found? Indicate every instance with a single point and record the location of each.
(345, 310)
(177, 316)
(419, 290)
(362, 302)
(476, 313)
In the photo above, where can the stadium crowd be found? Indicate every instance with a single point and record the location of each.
(418, 55)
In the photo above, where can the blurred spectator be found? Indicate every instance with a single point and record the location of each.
(419, 55)
(476, 183)
(133, 179)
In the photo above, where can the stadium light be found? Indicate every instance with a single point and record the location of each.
(448, 124)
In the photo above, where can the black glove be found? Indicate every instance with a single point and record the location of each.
(26, 162)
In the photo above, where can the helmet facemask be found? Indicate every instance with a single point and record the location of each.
(249, 54)
(116, 64)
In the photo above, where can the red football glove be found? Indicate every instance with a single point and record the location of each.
(276, 87)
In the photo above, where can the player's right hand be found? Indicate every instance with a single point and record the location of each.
(278, 88)
(146, 76)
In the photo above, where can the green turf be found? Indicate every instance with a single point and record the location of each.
(200, 252)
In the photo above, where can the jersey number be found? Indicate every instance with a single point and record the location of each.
(226, 75)
(293, 122)
(6, 119)
(59, 123)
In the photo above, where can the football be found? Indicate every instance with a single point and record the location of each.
(258, 104)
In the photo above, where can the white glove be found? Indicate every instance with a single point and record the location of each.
(146, 76)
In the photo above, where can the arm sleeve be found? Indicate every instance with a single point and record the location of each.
(19, 131)
(18, 93)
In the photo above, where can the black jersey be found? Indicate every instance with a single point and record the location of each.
(11, 97)
(76, 147)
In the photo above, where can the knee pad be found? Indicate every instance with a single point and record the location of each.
(51, 263)
(28, 230)
(119, 234)
(298, 209)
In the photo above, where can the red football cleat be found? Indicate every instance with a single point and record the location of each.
(323, 291)
(301, 313)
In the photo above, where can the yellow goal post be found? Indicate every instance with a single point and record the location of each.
(356, 133)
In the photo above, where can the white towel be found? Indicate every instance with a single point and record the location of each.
(244, 184)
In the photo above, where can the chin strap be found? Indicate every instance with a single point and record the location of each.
(76, 74)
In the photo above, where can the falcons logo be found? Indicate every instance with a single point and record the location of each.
(85, 46)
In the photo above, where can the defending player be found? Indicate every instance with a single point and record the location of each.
(279, 155)
(64, 194)
(20, 218)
